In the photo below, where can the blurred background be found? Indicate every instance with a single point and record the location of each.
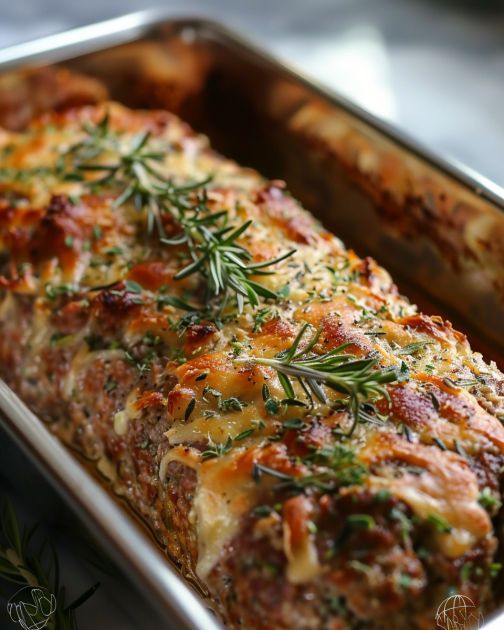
(435, 68)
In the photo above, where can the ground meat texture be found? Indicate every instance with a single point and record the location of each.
(284, 517)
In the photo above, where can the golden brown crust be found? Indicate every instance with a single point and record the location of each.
(88, 339)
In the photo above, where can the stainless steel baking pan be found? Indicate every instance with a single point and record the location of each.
(436, 226)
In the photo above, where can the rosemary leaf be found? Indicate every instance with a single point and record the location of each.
(130, 167)
(336, 369)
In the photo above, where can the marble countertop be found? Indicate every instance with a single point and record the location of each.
(434, 68)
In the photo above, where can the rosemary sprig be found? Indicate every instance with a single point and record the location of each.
(23, 564)
(335, 369)
(224, 263)
(211, 239)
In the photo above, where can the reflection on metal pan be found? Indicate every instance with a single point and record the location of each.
(435, 225)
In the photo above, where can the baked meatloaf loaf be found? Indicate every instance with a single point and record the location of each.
(315, 451)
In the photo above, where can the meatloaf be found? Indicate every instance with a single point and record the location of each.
(305, 443)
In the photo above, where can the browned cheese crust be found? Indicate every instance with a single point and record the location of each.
(292, 512)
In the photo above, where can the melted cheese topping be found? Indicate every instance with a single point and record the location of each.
(225, 493)
(447, 489)
(130, 412)
(303, 564)
(57, 234)
(299, 544)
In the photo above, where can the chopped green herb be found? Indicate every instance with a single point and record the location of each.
(403, 429)
(238, 347)
(110, 385)
(132, 286)
(284, 291)
(60, 340)
(359, 566)
(412, 348)
(271, 569)
(459, 448)
(405, 581)
(404, 522)
(423, 553)
(365, 521)
(439, 523)
(142, 366)
(150, 339)
(263, 510)
(465, 571)
(312, 527)
(467, 382)
(272, 406)
(210, 391)
(53, 292)
(114, 251)
(293, 423)
(403, 373)
(438, 442)
(216, 450)
(488, 499)
(189, 409)
(495, 569)
(261, 317)
(337, 606)
(244, 434)
(383, 495)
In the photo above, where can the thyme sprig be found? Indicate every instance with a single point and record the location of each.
(210, 237)
(332, 468)
(23, 564)
(215, 449)
(336, 369)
